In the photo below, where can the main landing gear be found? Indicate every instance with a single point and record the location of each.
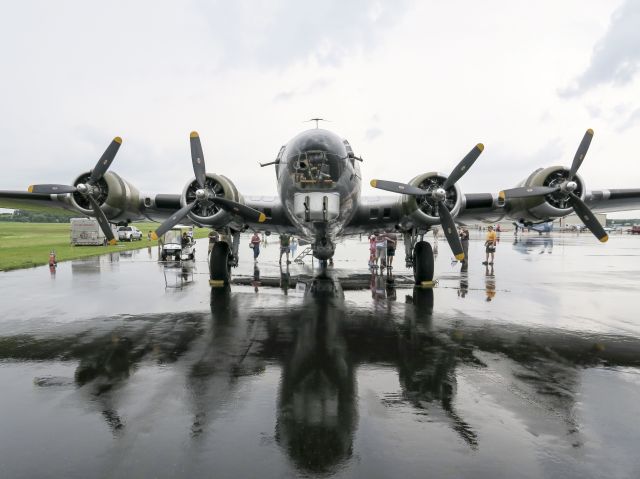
(419, 256)
(422, 262)
(223, 257)
(220, 261)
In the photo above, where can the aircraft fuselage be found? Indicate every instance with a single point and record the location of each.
(319, 185)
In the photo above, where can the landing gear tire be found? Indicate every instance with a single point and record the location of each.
(422, 262)
(220, 263)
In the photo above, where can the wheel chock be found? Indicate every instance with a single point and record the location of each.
(216, 283)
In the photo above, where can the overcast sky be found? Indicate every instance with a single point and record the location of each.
(413, 85)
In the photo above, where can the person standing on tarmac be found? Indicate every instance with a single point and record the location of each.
(392, 241)
(490, 245)
(255, 245)
(285, 241)
(381, 250)
(372, 251)
(464, 239)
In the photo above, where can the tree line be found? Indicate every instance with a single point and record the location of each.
(23, 216)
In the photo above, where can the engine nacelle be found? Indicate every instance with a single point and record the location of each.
(543, 208)
(423, 210)
(207, 213)
(119, 199)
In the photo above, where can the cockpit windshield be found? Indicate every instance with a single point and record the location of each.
(314, 168)
(316, 159)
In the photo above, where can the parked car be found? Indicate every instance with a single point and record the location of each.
(129, 233)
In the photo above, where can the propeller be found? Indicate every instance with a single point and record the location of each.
(89, 189)
(206, 194)
(566, 188)
(439, 195)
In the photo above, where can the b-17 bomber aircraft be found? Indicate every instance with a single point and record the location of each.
(319, 200)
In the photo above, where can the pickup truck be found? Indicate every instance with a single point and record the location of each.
(635, 230)
(129, 233)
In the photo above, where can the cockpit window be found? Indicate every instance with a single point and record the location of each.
(316, 159)
(316, 167)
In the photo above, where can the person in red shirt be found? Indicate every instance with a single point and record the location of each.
(255, 244)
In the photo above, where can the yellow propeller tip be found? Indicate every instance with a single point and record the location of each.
(113, 242)
(30, 189)
(460, 256)
(262, 218)
(118, 140)
(604, 239)
(194, 134)
(373, 183)
(154, 236)
(480, 146)
(590, 131)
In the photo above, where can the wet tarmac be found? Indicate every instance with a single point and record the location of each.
(119, 366)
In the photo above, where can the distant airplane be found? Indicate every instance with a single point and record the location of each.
(319, 181)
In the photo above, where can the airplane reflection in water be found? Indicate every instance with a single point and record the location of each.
(319, 345)
(533, 245)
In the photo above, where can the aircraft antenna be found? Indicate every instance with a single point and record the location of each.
(316, 120)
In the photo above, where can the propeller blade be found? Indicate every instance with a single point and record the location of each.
(102, 220)
(396, 187)
(105, 160)
(197, 158)
(581, 153)
(587, 217)
(464, 165)
(527, 191)
(52, 189)
(173, 220)
(450, 231)
(239, 209)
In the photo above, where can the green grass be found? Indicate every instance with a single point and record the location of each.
(24, 245)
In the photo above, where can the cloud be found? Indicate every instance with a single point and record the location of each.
(633, 119)
(309, 89)
(280, 33)
(373, 133)
(616, 57)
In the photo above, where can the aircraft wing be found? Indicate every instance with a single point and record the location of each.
(385, 212)
(156, 207)
(145, 207)
(23, 200)
(603, 201)
(272, 207)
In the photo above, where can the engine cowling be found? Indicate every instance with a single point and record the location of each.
(206, 212)
(423, 210)
(118, 199)
(544, 208)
